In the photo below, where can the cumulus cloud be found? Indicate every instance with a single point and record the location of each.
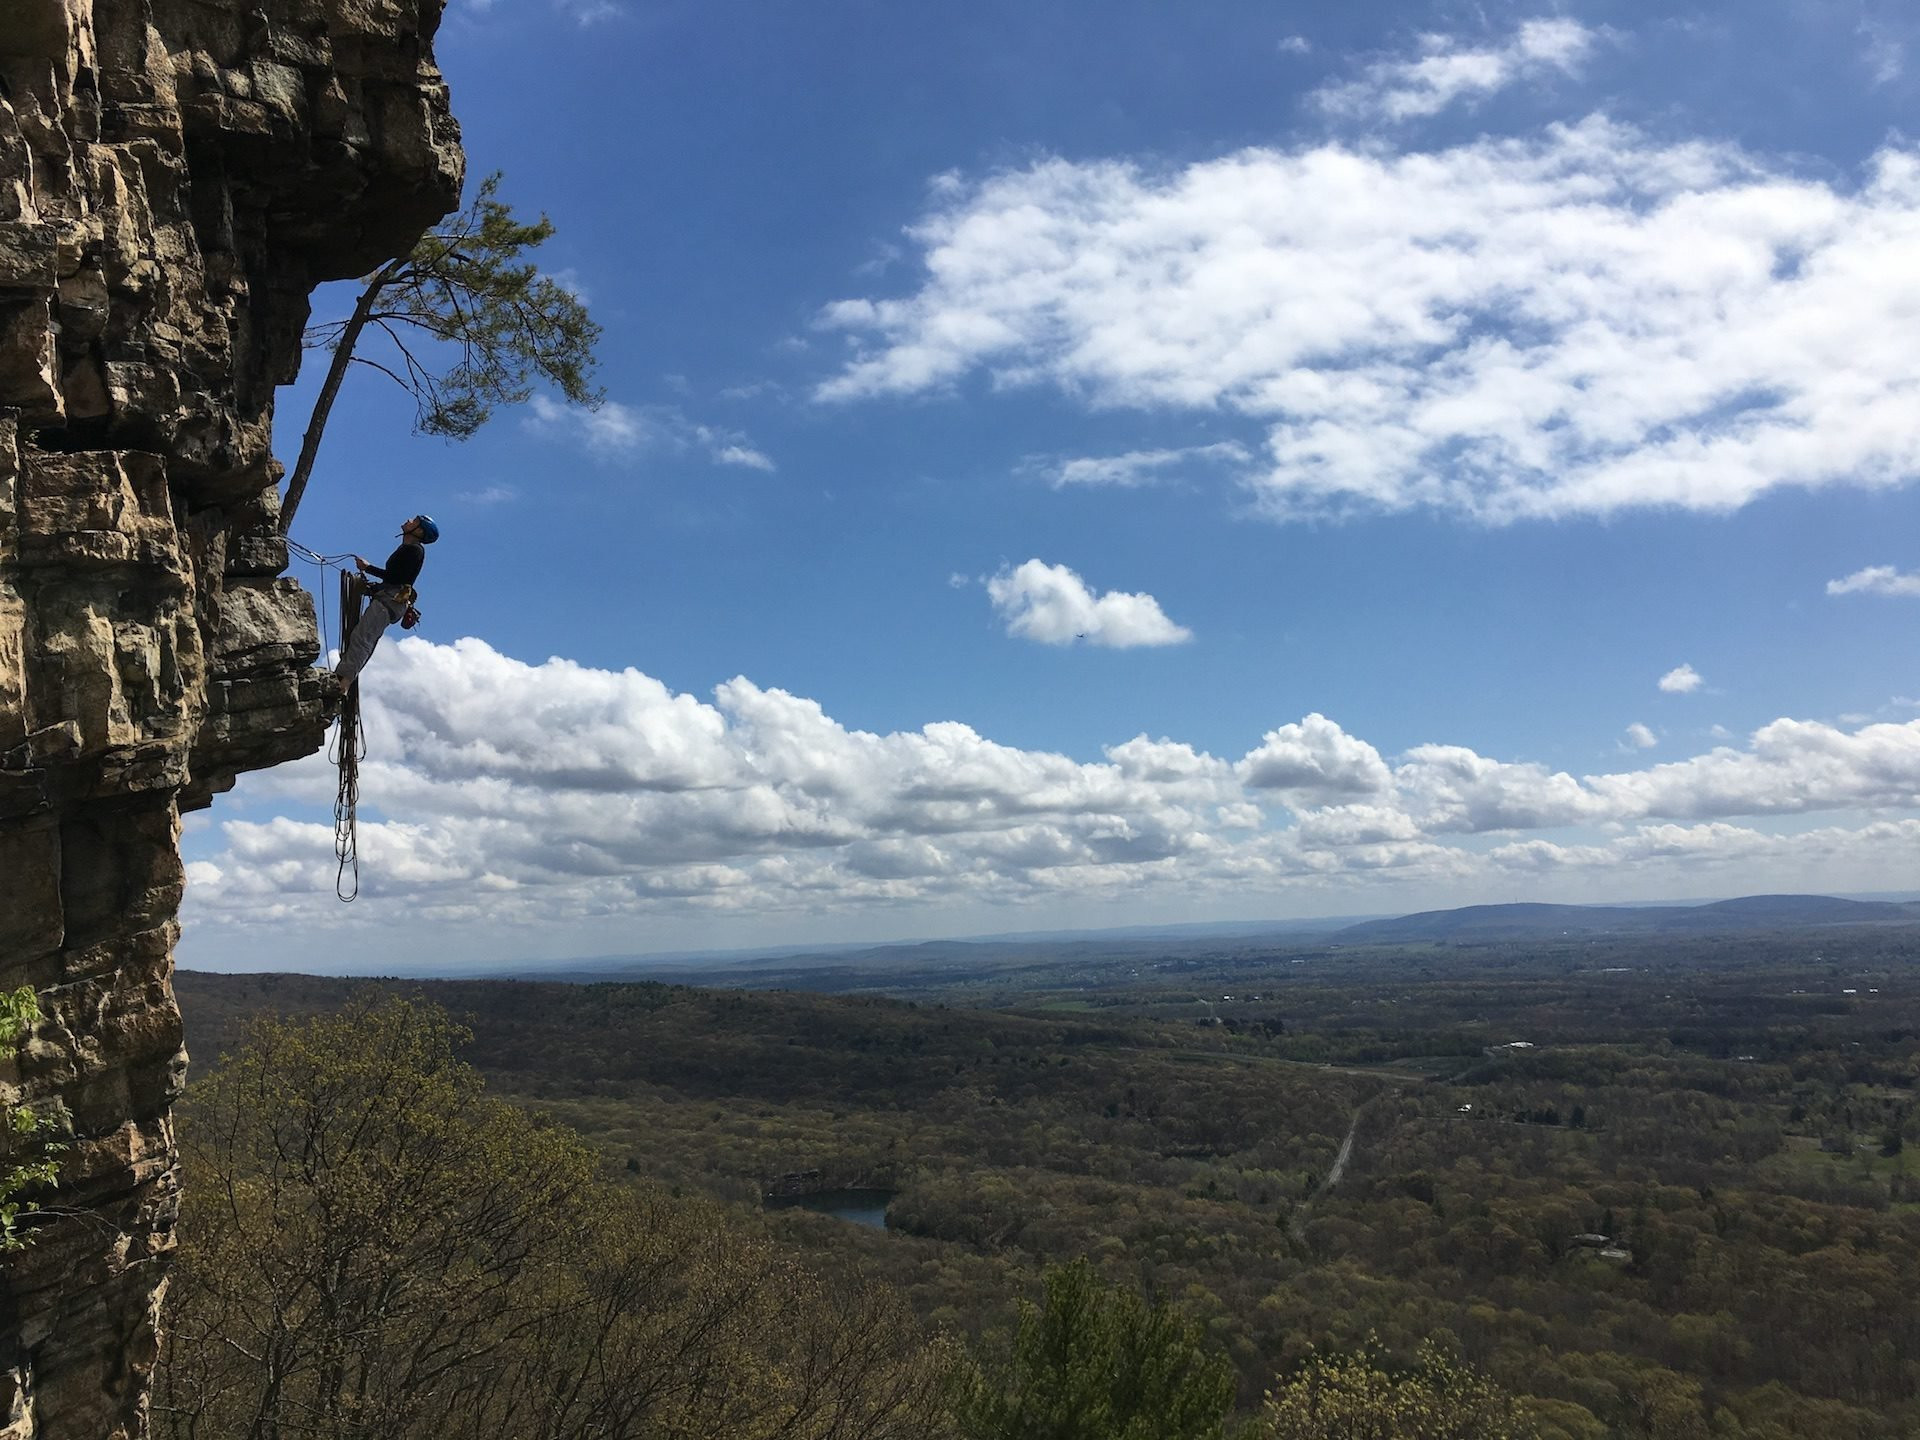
(1681, 680)
(1722, 854)
(1580, 322)
(1051, 604)
(1314, 762)
(1139, 467)
(529, 789)
(1876, 580)
(1447, 71)
(1640, 737)
(504, 794)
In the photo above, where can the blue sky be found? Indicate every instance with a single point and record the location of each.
(1072, 464)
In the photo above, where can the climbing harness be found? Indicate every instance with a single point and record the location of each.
(348, 749)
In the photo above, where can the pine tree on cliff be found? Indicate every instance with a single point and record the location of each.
(471, 325)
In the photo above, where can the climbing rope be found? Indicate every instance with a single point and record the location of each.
(349, 744)
(325, 562)
(348, 749)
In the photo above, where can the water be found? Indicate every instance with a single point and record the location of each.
(862, 1207)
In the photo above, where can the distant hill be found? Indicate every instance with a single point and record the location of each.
(1537, 922)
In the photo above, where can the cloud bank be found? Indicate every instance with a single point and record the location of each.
(542, 796)
(1576, 323)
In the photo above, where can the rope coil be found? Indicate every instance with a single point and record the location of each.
(348, 747)
(347, 750)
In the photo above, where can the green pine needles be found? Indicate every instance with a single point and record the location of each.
(469, 323)
(1098, 1362)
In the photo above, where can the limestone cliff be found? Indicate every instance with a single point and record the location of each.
(175, 177)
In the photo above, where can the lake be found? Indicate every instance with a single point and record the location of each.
(862, 1207)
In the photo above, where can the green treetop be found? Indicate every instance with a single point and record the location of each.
(470, 324)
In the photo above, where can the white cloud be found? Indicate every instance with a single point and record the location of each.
(615, 431)
(489, 495)
(1681, 680)
(1640, 737)
(588, 12)
(1296, 45)
(1876, 580)
(1447, 71)
(1051, 604)
(1450, 788)
(1883, 51)
(534, 799)
(1139, 467)
(1314, 762)
(569, 280)
(612, 429)
(1577, 323)
(1789, 767)
(1835, 858)
(728, 454)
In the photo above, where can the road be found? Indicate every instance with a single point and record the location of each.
(1297, 1222)
(1346, 1153)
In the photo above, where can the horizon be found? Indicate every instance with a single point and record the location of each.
(572, 967)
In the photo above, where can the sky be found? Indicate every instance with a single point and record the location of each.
(1072, 464)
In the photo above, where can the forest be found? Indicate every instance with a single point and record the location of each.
(1634, 1186)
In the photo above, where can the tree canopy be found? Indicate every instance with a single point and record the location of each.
(375, 1249)
(1095, 1361)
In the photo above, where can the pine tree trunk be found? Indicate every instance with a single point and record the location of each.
(322, 407)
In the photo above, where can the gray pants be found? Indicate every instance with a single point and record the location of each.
(373, 624)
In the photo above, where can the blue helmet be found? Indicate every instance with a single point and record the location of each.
(429, 532)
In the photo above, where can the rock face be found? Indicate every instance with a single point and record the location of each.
(175, 177)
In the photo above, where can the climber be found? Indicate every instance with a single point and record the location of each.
(390, 599)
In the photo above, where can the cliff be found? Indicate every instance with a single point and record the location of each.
(175, 178)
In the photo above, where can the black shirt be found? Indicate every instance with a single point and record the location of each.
(403, 565)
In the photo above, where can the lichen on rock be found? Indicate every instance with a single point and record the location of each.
(175, 178)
